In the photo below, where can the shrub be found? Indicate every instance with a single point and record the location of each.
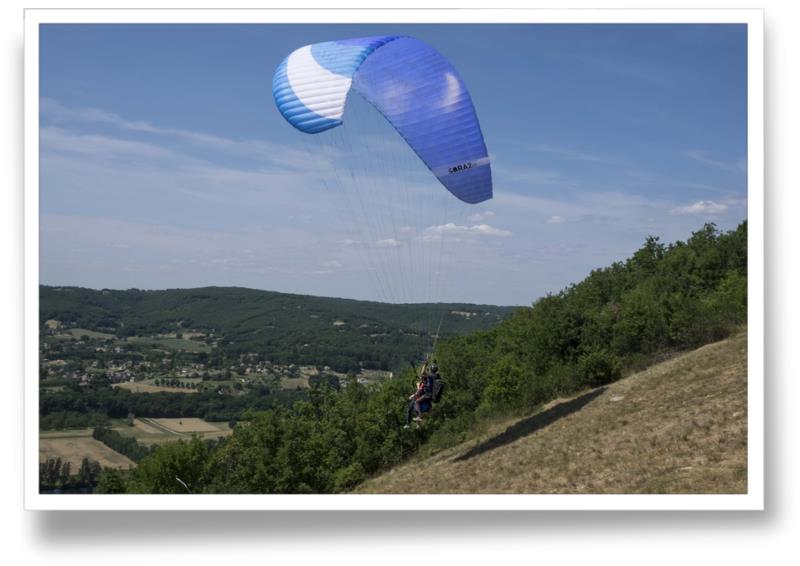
(504, 383)
(599, 368)
(348, 477)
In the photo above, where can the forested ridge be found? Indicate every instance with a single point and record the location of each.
(665, 298)
(281, 327)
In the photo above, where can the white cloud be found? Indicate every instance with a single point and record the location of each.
(150, 178)
(261, 150)
(387, 243)
(62, 141)
(555, 219)
(702, 207)
(458, 232)
(735, 201)
(489, 230)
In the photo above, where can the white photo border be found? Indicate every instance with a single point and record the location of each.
(752, 500)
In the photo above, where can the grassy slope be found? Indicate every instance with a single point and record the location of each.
(677, 427)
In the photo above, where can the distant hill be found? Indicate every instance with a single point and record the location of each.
(283, 328)
(677, 427)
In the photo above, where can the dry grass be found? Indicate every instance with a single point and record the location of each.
(140, 387)
(73, 449)
(295, 382)
(677, 427)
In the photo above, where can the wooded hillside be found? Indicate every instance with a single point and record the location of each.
(664, 299)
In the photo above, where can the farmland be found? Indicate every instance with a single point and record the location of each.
(294, 382)
(160, 430)
(150, 387)
(74, 446)
(78, 333)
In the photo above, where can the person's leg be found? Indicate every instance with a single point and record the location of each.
(409, 410)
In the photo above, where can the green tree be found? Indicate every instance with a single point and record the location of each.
(171, 464)
(506, 379)
(65, 473)
(111, 481)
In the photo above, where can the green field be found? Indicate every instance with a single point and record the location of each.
(78, 333)
(158, 431)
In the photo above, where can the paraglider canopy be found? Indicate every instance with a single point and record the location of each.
(411, 84)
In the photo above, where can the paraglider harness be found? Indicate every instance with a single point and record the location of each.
(429, 390)
(434, 386)
(437, 387)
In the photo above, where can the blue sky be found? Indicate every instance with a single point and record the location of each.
(164, 162)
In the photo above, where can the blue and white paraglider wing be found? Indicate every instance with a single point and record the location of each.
(415, 88)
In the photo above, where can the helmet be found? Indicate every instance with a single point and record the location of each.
(434, 368)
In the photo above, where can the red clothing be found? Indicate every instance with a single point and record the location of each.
(424, 388)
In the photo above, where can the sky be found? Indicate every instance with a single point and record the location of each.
(164, 162)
